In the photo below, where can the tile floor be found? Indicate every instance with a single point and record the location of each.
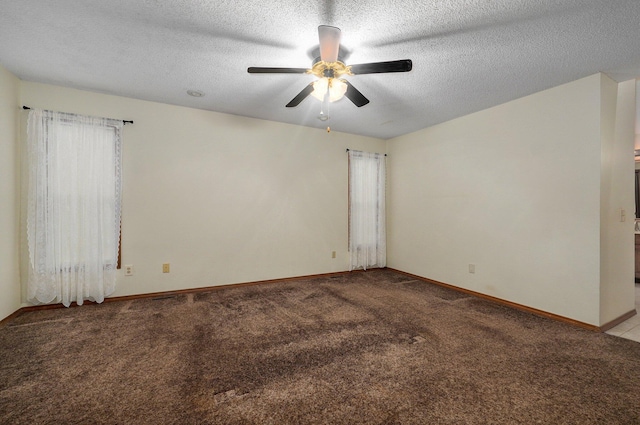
(631, 328)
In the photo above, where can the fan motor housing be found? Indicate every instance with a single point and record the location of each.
(330, 69)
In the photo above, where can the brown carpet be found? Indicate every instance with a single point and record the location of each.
(363, 348)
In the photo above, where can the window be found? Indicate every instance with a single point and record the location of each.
(367, 233)
(74, 198)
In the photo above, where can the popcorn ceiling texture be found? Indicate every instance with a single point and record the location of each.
(369, 347)
(468, 55)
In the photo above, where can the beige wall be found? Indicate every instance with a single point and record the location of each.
(637, 118)
(618, 108)
(528, 191)
(223, 199)
(9, 198)
(514, 190)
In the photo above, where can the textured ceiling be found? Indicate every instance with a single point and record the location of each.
(467, 55)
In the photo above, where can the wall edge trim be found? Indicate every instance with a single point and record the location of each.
(163, 294)
(617, 321)
(506, 303)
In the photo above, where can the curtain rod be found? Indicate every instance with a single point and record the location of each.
(348, 151)
(124, 122)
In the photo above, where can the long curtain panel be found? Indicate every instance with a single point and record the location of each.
(73, 206)
(367, 233)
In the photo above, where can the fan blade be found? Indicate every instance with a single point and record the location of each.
(354, 95)
(329, 43)
(301, 96)
(403, 65)
(260, 70)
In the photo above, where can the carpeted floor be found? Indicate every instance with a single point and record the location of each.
(362, 348)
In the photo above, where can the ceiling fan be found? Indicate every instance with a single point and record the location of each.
(329, 69)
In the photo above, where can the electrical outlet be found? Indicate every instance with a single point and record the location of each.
(128, 270)
(165, 268)
(472, 268)
(333, 254)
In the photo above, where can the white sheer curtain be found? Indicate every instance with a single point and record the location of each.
(73, 206)
(367, 235)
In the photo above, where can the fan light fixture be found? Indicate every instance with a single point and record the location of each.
(336, 87)
(328, 87)
(326, 90)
